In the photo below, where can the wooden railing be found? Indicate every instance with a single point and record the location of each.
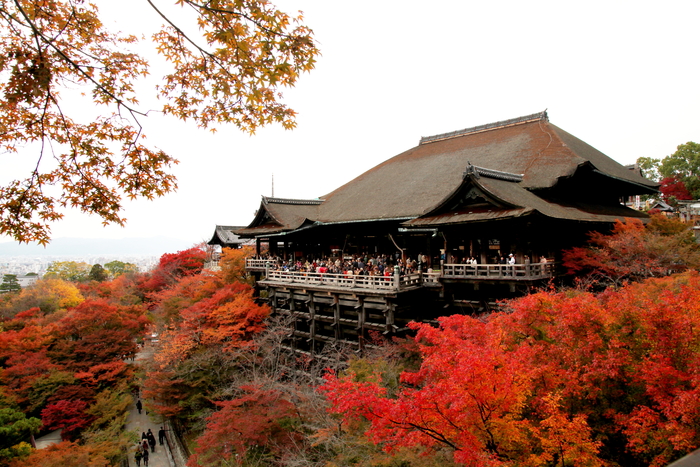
(394, 282)
(531, 271)
(257, 264)
(350, 281)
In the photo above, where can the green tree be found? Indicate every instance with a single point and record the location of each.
(649, 167)
(98, 273)
(684, 166)
(117, 268)
(15, 430)
(228, 69)
(10, 284)
(71, 271)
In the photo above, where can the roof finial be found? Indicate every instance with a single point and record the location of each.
(471, 170)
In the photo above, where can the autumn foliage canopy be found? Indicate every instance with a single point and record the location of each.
(634, 251)
(562, 378)
(59, 56)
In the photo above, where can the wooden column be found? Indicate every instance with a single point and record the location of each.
(389, 316)
(312, 322)
(361, 317)
(336, 316)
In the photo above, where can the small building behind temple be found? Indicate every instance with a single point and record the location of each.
(225, 237)
(460, 203)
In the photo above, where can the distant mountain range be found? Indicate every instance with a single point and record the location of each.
(151, 246)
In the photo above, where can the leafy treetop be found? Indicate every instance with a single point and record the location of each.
(230, 71)
(678, 173)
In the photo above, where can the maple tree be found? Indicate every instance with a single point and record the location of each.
(260, 419)
(232, 264)
(229, 318)
(64, 454)
(229, 70)
(95, 333)
(633, 251)
(207, 323)
(69, 415)
(673, 189)
(67, 363)
(171, 267)
(684, 166)
(562, 378)
(49, 295)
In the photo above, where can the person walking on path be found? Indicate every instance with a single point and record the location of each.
(139, 406)
(145, 457)
(161, 436)
(140, 424)
(151, 440)
(138, 457)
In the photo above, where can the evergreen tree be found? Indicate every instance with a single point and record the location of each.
(10, 284)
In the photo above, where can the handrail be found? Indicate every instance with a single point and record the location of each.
(530, 271)
(344, 280)
(257, 264)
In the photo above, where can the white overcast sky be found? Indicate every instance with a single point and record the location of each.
(623, 76)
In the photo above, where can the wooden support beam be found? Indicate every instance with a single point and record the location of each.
(336, 317)
(312, 322)
(361, 317)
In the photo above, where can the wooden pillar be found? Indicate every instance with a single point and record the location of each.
(361, 317)
(273, 298)
(312, 323)
(389, 316)
(336, 317)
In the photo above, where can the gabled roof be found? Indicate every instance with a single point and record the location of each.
(414, 182)
(224, 235)
(483, 196)
(279, 215)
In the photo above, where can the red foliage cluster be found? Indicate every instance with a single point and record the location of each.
(173, 266)
(261, 418)
(674, 188)
(567, 378)
(633, 251)
(55, 364)
(204, 315)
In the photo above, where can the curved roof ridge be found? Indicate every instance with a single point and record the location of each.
(486, 127)
(268, 200)
(490, 173)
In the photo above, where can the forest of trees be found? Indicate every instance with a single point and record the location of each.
(605, 373)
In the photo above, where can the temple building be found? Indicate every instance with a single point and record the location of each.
(485, 212)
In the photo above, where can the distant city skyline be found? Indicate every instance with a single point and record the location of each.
(86, 247)
(618, 75)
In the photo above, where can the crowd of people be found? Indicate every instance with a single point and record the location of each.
(377, 265)
(148, 441)
(360, 265)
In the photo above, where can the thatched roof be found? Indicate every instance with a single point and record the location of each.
(416, 182)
